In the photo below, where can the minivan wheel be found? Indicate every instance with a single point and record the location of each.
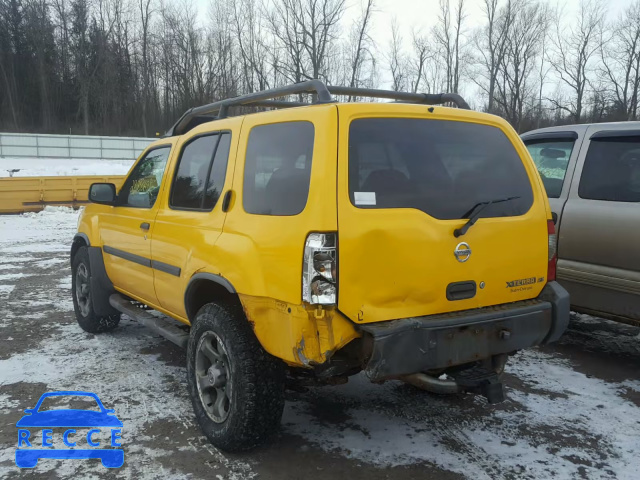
(236, 388)
(86, 316)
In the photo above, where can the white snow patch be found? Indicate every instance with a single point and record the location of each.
(51, 262)
(140, 388)
(12, 276)
(562, 401)
(5, 290)
(53, 167)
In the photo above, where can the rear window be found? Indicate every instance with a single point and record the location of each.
(611, 170)
(443, 168)
(551, 157)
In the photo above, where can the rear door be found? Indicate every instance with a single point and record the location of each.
(555, 154)
(190, 219)
(599, 242)
(406, 179)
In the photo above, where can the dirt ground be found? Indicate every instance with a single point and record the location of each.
(573, 408)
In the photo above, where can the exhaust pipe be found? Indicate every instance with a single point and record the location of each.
(432, 384)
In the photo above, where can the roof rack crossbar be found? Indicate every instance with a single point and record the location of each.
(426, 98)
(322, 94)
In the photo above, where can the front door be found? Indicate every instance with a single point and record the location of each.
(128, 227)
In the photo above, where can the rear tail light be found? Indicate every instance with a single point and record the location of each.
(319, 269)
(553, 251)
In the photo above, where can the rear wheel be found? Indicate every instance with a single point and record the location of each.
(87, 318)
(236, 388)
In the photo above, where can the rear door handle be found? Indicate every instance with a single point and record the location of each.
(145, 226)
(226, 201)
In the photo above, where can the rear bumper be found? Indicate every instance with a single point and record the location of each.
(411, 345)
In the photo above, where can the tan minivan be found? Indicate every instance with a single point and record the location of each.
(592, 177)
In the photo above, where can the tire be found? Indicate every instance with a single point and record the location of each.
(87, 318)
(242, 403)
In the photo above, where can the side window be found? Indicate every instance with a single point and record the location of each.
(551, 157)
(278, 168)
(612, 170)
(196, 174)
(141, 188)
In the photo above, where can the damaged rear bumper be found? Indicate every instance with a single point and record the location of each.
(411, 345)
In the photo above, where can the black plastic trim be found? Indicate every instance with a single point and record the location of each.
(569, 135)
(614, 133)
(461, 290)
(418, 344)
(101, 286)
(83, 236)
(166, 268)
(145, 262)
(214, 278)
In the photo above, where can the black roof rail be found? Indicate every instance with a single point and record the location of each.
(321, 92)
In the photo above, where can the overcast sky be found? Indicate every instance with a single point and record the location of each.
(423, 14)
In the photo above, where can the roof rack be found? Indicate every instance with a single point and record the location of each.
(321, 94)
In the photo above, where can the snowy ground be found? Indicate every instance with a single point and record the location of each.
(42, 167)
(573, 409)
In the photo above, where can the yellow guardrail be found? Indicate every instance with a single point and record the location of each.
(31, 194)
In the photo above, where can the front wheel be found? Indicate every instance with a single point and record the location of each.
(86, 316)
(236, 388)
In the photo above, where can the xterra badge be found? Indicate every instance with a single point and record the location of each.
(521, 282)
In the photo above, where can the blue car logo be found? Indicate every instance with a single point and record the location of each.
(28, 453)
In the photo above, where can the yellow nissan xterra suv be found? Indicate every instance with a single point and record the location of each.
(299, 246)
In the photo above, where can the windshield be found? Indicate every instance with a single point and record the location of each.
(441, 167)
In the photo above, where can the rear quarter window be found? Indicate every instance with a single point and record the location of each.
(278, 168)
(443, 168)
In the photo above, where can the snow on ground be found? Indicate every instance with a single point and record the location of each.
(51, 167)
(558, 422)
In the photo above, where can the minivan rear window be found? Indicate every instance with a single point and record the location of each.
(443, 168)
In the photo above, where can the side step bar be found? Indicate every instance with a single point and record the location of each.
(167, 328)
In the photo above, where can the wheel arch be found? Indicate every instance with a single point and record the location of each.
(205, 288)
(79, 240)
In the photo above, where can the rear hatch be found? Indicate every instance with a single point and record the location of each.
(407, 179)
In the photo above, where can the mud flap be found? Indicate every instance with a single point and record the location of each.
(101, 286)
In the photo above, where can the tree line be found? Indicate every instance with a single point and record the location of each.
(132, 67)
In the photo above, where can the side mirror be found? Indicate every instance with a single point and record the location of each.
(554, 217)
(103, 193)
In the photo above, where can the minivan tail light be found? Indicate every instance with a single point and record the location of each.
(553, 251)
(319, 269)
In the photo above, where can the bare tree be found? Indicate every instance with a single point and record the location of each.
(396, 59)
(491, 43)
(514, 85)
(308, 30)
(361, 46)
(575, 45)
(620, 61)
(448, 34)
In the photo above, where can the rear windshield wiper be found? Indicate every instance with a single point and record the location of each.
(474, 213)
